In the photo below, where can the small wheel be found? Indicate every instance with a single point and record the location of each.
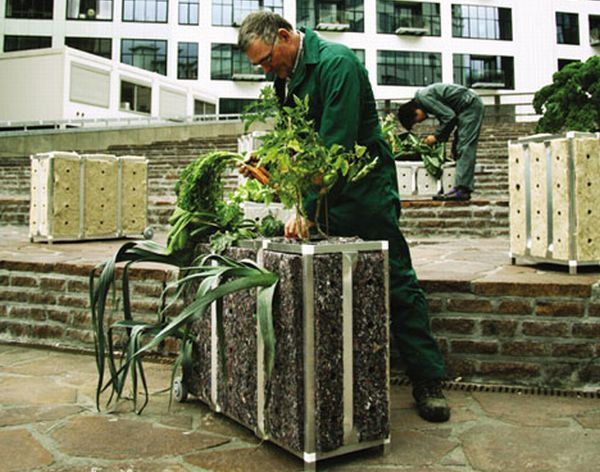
(180, 391)
(148, 232)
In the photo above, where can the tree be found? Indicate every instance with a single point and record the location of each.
(572, 101)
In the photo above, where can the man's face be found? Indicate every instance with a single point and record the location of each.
(277, 58)
(420, 115)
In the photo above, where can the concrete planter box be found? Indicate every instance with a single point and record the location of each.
(554, 197)
(329, 392)
(87, 196)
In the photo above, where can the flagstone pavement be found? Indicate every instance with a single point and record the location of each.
(49, 422)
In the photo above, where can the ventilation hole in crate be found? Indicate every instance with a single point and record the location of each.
(518, 187)
(539, 212)
(133, 205)
(68, 170)
(559, 240)
(537, 159)
(589, 184)
(133, 221)
(518, 212)
(537, 185)
(134, 172)
(558, 158)
(587, 156)
(589, 212)
(517, 160)
(68, 188)
(590, 241)
(66, 223)
(537, 237)
(102, 205)
(102, 189)
(133, 189)
(101, 222)
(66, 205)
(103, 172)
(557, 185)
(518, 236)
(559, 212)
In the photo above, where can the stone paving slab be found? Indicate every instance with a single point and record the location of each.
(48, 423)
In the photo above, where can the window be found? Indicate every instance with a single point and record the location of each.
(408, 17)
(204, 108)
(408, 68)
(187, 61)
(360, 53)
(22, 43)
(567, 28)
(31, 9)
(229, 63)
(233, 105)
(89, 10)
(480, 22)
(565, 62)
(99, 46)
(135, 97)
(145, 11)
(188, 12)
(594, 30)
(331, 15)
(232, 12)
(149, 54)
(476, 71)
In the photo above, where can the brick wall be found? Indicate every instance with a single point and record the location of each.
(517, 333)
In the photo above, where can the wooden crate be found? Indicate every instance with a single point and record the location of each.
(87, 196)
(554, 192)
(329, 390)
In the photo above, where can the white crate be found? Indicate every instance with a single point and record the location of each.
(414, 180)
(554, 195)
(87, 196)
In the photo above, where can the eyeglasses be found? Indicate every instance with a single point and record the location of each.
(266, 61)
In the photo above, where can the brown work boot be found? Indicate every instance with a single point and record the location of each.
(431, 402)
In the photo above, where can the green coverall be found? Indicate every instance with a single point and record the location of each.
(455, 106)
(343, 107)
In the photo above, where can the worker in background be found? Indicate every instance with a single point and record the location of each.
(455, 107)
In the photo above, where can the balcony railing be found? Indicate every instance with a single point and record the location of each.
(414, 25)
(487, 79)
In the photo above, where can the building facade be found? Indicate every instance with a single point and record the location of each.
(503, 47)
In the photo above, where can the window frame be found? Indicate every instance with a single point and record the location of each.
(490, 15)
(87, 17)
(560, 24)
(188, 4)
(159, 42)
(387, 12)
(40, 14)
(96, 39)
(187, 58)
(227, 8)
(23, 36)
(406, 61)
(156, 3)
(136, 85)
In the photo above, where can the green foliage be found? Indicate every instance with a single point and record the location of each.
(261, 110)
(572, 101)
(212, 277)
(409, 147)
(298, 160)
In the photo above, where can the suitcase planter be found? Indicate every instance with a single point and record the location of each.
(329, 390)
(414, 180)
(554, 197)
(87, 196)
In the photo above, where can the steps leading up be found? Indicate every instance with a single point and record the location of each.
(485, 215)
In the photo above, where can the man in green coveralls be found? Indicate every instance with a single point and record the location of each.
(343, 109)
(457, 107)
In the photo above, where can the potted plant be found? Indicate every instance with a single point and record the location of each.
(302, 360)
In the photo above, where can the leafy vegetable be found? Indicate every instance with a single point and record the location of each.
(572, 100)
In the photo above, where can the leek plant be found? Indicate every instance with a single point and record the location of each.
(211, 277)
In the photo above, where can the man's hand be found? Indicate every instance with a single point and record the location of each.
(250, 169)
(297, 227)
(430, 140)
